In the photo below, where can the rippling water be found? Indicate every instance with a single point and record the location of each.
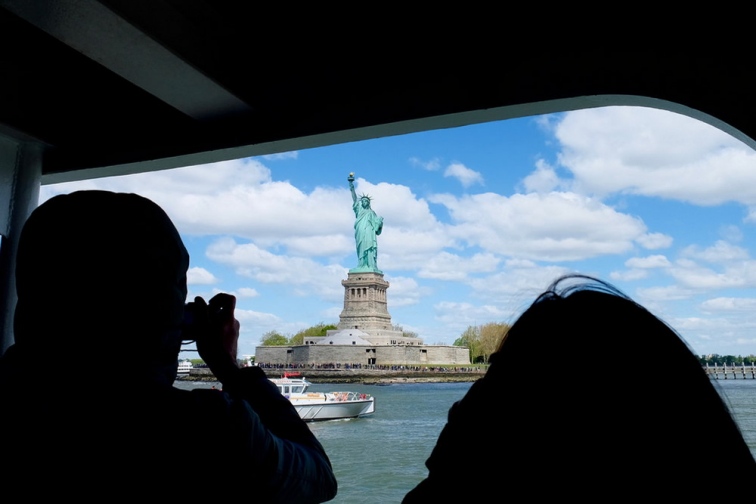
(380, 458)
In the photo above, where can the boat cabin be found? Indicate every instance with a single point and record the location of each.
(108, 87)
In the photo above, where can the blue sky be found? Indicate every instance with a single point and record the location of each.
(478, 220)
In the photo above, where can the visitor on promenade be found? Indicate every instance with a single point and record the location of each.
(586, 430)
(101, 281)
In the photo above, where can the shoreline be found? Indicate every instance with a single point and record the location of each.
(362, 376)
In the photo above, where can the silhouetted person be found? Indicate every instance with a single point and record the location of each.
(87, 406)
(592, 397)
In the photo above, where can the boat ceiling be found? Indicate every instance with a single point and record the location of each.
(118, 86)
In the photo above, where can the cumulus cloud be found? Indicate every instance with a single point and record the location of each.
(503, 295)
(741, 274)
(200, 276)
(628, 275)
(544, 179)
(723, 335)
(664, 293)
(654, 241)
(235, 197)
(465, 314)
(638, 268)
(446, 266)
(654, 261)
(246, 292)
(557, 226)
(430, 165)
(655, 153)
(729, 304)
(696, 277)
(720, 252)
(463, 174)
(404, 291)
(731, 233)
(250, 319)
(304, 275)
(516, 285)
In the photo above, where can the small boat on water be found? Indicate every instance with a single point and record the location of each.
(317, 406)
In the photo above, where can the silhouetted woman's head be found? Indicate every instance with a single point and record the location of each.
(585, 372)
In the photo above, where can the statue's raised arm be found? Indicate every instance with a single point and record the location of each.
(367, 226)
(351, 187)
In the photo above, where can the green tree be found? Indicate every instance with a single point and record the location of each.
(318, 329)
(274, 338)
(470, 339)
(482, 340)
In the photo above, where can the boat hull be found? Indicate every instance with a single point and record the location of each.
(313, 411)
(319, 406)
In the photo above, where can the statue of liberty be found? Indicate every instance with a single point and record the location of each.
(366, 227)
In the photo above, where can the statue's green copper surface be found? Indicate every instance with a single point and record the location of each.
(366, 227)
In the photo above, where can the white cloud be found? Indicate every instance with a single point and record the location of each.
(465, 314)
(282, 155)
(446, 266)
(729, 304)
(516, 286)
(720, 252)
(305, 276)
(397, 204)
(628, 275)
(247, 292)
(740, 274)
(544, 179)
(249, 319)
(654, 261)
(404, 291)
(655, 153)
(700, 278)
(557, 226)
(465, 175)
(731, 233)
(662, 294)
(717, 334)
(238, 198)
(654, 241)
(430, 165)
(200, 276)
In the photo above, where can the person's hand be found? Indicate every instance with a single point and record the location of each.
(217, 341)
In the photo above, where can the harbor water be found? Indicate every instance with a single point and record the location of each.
(380, 458)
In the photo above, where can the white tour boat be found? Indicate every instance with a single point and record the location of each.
(183, 367)
(316, 406)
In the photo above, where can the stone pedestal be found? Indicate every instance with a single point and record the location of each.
(365, 304)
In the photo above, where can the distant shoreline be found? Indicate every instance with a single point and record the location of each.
(364, 376)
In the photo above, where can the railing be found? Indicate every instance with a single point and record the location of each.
(731, 371)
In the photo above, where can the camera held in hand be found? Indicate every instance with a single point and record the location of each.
(194, 323)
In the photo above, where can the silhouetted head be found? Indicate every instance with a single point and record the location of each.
(98, 275)
(585, 371)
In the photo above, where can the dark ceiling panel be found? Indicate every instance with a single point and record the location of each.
(89, 115)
